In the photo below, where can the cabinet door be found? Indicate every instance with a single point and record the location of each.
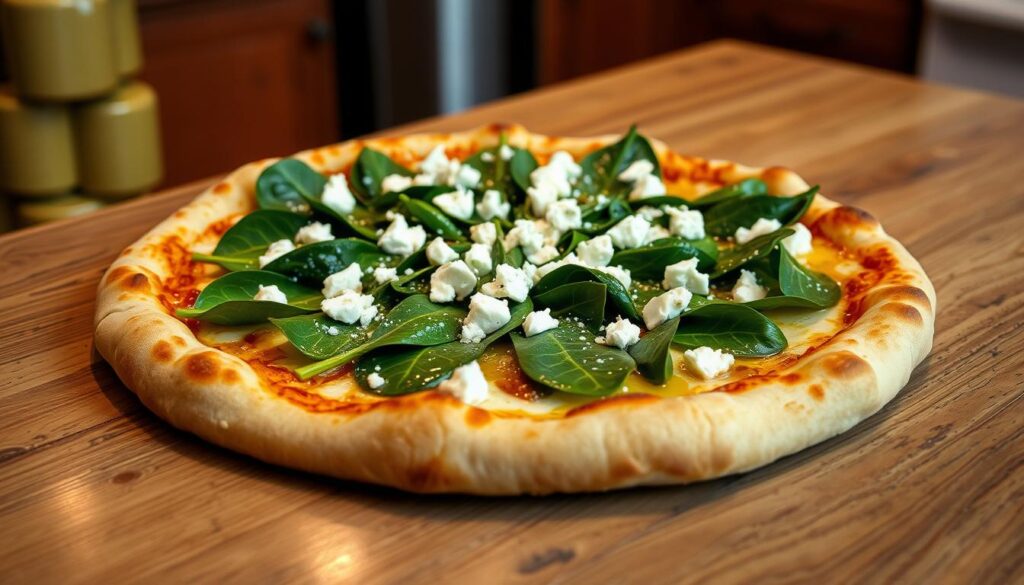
(238, 80)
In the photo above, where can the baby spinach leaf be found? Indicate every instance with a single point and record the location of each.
(414, 321)
(586, 300)
(745, 188)
(648, 262)
(568, 242)
(288, 184)
(359, 223)
(311, 264)
(241, 246)
(494, 170)
(601, 168)
(433, 219)
(566, 358)
(520, 166)
(742, 254)
(651, 353)
(312, 334)
(798, 286)
(621, 302)
(726, 217)
(369, 170)
(738, 329)
(407, 370)
(603, 218)
(229, 299)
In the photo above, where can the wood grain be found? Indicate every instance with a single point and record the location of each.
(93, 488)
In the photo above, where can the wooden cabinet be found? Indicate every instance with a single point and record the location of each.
(238, 80)
(583, 36)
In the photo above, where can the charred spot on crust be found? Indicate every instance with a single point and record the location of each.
(904, 312)
(844, 365)
(230, 376)
(904, 293)
(477, 417)
(179, 341)
(162, 351)
(612, 402)
(222, 188)
(137, 281)
(816, 391)
(845, 215)
(202, 366)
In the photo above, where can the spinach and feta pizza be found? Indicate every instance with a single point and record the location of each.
(501, 312)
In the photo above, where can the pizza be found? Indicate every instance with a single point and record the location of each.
(502, 312)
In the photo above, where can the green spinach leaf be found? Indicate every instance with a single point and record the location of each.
(798, 286)
(734, 328)
(586, 300)
(566, 358)
(433, 219)
(726, 217)
(745, 188)
(648, 262)
(651, 353)
(242, 245)
(288, 185)
(617, 294)
(742, 254)
(601, 168)
(369, 170)
(229, 299)
(311, 264)
(520, 166)
(312, 334)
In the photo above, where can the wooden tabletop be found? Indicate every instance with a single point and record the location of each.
(94, 488)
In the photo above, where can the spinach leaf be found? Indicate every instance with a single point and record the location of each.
(648, 262)
(798, 286)
(572, 273)
(414, 321)
(288, 184)
(311, 264)
(228, 300)
(369, 170)
(601, 168)
(566, 358)
(310, 334)
(755, 249)
(359, 223)
(601, 219)
(432, 218)
(586, 300)
(407, 370)
(745, 188)
(241, 246)
(735, 328)
(520, 166)
(726, 217)
(568, 242)
(651, 353)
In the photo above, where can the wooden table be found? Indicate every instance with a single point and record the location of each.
(94, 488)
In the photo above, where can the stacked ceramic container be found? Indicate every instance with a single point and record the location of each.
(77, 130)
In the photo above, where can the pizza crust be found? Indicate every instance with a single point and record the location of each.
(431, 442)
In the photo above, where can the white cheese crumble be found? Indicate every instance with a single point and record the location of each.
(684, 273)
(313, 233)
(467, 383)
(631, 232)
(708, 363)
(350, 307)
(349, 279)
(552, 181)
(506, 152)
(486, 315)
(597, 251)
(666, 306)
(550, 267)
(452, 281)
(656, 233)
(401, 239)
(510, 282)
(621, 334)
(375, 380)
(395, 183)
(645, 183)
(275, 250)
(685, 223)
(540, 198)
(618, 273)
(383, 274)
(492, 206)
(799, 243)
(747, 289)
(564, 215)
(436, 169)
(270, 293)
(484, 233)
(458, 203)
(479, 259)
(539, 322)
(650, 213)
(636, 171)
(467, 177)
(439, 252)
(337, 196)
(761, 227)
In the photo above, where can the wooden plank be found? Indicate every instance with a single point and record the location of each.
(95, 488)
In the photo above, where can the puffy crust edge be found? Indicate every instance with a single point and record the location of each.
(429, 442)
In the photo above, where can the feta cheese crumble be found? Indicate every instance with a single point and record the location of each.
(631, 232)
(401, 239)
(645, 183)
(621, 334)
(761, 227)
(597, 251)
(747, 289)
(350, 307)
(685, 223)
(275, 250)
(467, 383)
(382, 274)
(337, 195)
(510, 282)
(439, 252)
(708, 363)
(486, 315)
(666, 306)
(799, 243)
(314, 233)
(564, 215)
(491, 205)
(375, 380)
(349, 279)
(539, 322)
(484, 233)
(452, 281)
(395, 183)
(458, 203)
(479, 259)
(684, 273)
(270, 293)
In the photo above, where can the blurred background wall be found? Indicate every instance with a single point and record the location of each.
(240, 80)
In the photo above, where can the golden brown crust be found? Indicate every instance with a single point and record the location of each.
(430, 442)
